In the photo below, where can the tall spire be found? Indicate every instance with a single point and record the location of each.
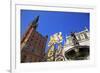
(35, 22)
(34, 25)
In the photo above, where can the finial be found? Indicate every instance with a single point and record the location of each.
(35, 22)
(86, 29)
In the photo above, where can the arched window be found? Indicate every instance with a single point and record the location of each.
(85, 34)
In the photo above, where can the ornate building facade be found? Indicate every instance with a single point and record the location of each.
(33, 44)
(77, 46)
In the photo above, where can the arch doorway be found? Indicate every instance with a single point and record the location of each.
(82, 53)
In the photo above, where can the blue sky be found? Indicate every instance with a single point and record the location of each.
(51, 22)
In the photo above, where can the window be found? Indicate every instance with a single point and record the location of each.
(33, 34)
(82, 36)
(78, 37)
(86, 37)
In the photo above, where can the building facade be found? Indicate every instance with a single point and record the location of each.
(77, 46)
(33, 44)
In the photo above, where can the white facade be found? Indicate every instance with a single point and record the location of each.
(82, 37)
